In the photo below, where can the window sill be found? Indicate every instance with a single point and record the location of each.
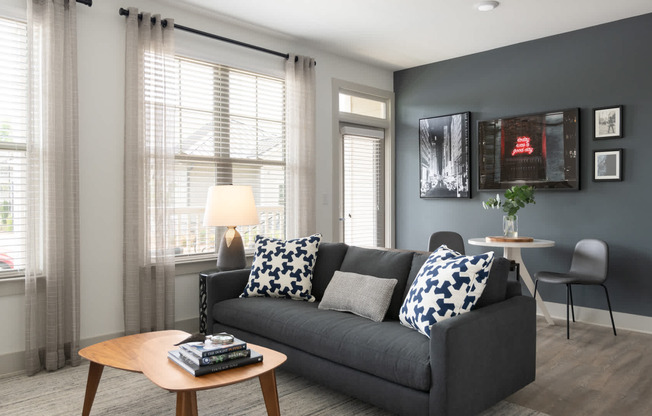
(195, 266)
(12, 286)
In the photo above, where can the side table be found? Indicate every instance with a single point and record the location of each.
(202, 298)
(512, 251)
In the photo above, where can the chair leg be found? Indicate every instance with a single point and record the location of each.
(567, 323)
(613, 325)
(570, 290)
(536, 283)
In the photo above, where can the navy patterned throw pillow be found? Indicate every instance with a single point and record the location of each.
(283, 269)
(448, 284)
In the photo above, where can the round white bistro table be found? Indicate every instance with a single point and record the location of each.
(512, 251)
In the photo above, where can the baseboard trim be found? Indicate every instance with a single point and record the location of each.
(14, 362)
(600, 317)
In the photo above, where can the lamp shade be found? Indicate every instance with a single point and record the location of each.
(230, 205)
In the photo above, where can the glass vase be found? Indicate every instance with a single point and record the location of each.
(510, 225)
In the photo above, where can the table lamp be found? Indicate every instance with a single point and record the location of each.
(230, 206)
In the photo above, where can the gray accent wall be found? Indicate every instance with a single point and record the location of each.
(605, 65)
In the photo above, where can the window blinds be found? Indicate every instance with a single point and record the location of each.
(363, 186)
(13, 148)
(231, 130)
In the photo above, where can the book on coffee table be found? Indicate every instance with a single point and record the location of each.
(200, 370)
(213, 359)
(201, 349)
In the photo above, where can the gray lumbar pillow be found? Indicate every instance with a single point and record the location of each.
(365, 296)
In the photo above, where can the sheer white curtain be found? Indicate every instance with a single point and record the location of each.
(149, 175)
(52, 309)
(300, 145)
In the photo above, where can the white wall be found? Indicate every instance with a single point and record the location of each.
(101, 113)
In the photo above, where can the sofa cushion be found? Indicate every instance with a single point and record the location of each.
(329, 259)
(283, 268)
(418, 259)
(384, 349)
(444, 287)
(496, 288)
(365, 296)
(385, 264)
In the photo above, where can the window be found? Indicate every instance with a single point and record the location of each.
(362, 106)
(231, 130)
(364, 167)
(13, 144)
(364, 186)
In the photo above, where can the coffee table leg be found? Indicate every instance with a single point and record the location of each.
(94, 375)
(187, 403)
(270, 394)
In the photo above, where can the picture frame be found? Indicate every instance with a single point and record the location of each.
(608, 122)
(444, 156)
(608, 165)
(540, 150)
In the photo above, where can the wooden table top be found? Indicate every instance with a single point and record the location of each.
(123, 352)
(168, 375)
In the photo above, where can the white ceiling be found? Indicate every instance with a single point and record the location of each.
(398, 34)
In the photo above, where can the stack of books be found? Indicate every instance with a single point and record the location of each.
(199, 358)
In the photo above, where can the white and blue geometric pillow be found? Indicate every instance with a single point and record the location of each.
(445, 286)
(283, 269)
(443, 253)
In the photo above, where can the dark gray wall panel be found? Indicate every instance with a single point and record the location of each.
(600, 66)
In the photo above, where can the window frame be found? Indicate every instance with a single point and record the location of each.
(387, 124)
(221, 160)
(19, 272)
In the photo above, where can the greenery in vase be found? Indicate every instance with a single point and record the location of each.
(516, 198)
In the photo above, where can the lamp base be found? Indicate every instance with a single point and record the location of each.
(231, 256)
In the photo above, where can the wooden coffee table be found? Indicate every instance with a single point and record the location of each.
(147, 353)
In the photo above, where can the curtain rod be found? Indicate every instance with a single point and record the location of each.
(125, 12)
(88, 3)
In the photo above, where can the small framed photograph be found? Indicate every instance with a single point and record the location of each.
(608, 122)
(608, 165)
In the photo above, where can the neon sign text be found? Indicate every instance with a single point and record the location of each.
(522, 146)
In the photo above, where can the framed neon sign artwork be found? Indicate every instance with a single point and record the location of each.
(541, 150)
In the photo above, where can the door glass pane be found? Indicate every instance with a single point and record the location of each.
(364, 211)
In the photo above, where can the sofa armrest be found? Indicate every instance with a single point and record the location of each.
(221, 286)
(482, 357)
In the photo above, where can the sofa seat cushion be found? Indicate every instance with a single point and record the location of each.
(384, 349)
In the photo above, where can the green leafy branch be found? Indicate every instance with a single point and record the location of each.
(516, 198)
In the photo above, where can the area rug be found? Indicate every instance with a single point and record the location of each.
(61, 393)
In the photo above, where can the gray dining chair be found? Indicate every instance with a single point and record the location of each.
(588, 267)
(452, 240)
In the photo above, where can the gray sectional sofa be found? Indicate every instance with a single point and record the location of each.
(471, 362)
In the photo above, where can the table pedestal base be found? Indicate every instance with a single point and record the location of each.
(514, 253)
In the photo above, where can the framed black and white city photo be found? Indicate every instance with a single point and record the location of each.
(608, 122)
(444, 159)
(608, 165)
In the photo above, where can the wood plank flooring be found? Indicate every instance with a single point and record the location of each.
(594, 373)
